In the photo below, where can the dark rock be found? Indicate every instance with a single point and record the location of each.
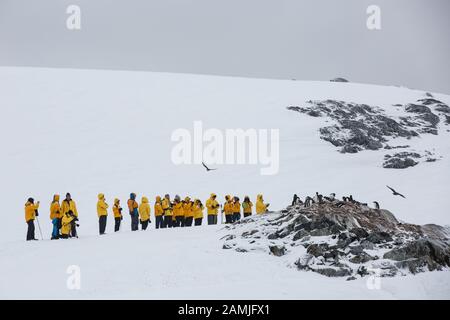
(351, 278)
(247, 234)
(361, 258)
(278, 250)
(399, 163)
(317, 249)
(379, 237)
(339, 80)
(300, 234)
(226, 246)
(359, 232)
(241, 249)
(334, 272)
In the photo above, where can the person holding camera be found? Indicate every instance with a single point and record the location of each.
(68, 222)
(212, 207)
(261, 207)
(69, 205)
(117, 210)
(31, 212)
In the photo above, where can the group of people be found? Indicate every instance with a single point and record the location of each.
(167, 213)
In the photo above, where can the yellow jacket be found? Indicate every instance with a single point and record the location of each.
(144, 209)
(165, 204)
(228, 208)
(55, 208)
(236, 207)
(247, 206)
(197, 210)
(212, 205)
(261, 207)
(187, 208)
(65, 224)
(102, 206)
(30, 211)
(158, 207)
(66, 206)
(116, 209)
(178, 209)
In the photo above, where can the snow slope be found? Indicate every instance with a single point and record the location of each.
(109, 131)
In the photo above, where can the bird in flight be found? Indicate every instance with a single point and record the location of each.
(395, 193)
(206, 167)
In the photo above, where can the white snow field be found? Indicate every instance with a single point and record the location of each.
(90, 131)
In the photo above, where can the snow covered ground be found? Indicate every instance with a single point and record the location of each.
(87, 132)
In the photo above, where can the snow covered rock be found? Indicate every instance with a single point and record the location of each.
(343, 239)
(357, 127)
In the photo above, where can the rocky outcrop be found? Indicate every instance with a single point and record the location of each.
(358, 127)
(343, 239)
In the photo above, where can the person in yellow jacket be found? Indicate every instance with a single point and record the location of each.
(144, 213)
(117, 210)
(102, 212)
(247, 206)
(166, 205)
(178, 212)
(69, 205)
(134, 212)
(228, 209)
(31, 212)
(236, 206)
(158, 213)
(197, 209)
(188, 212)
(212, 207)
(67, 222)
(261, 207)
(55, 216)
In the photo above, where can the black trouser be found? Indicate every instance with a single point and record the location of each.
(30, 231)
(198, 221)
(188, 221)
(168, 222)
(247, 214)
(159, 222)
(144, 224)
(228, 218)
(102, 224)
(179, 221)
(212, 219)
(73, 229)
(236, 216)
(134, 222)
(117, 224)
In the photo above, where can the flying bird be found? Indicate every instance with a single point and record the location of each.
(395, 193)
(208, 169)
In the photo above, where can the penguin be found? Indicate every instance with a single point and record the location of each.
(377, 205)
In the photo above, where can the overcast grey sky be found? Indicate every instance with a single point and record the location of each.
(307, 40)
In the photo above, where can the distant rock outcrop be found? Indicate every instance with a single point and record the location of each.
(343, 239)
(339, 80)
(359, 127)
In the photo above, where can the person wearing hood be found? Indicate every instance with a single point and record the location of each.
(178, 212)
(247, 206)
(188, 212)
(158, 213)
(228, 209)
(144, 213)
(166, 205)
(68, 221)
(55, 216)
(261, 207)
(102, 212)
(69, 205)
(212, 207)
(117, 210)
(236, 207)
(197, 209)
(134, 212)
(31, 212)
